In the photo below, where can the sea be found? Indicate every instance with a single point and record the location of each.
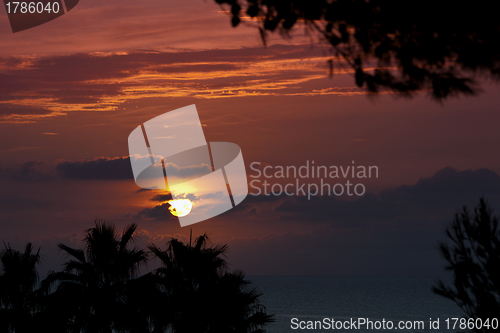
(315, 299)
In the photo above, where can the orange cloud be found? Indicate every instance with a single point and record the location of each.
(39, 87)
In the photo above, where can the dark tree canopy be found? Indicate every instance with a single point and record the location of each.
(406, 46)
(18, 280)
(203, 295)
(91, 290)
(473, 256)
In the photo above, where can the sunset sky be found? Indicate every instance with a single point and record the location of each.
(73, 89)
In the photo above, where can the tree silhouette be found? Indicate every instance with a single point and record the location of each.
(98, 289)
(92, 289)
(405, 46)
(18, 280)
(474, 259)
(201, 295)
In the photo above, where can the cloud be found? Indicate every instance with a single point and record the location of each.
(21, 110)
(162, 197)
(159, 212)
(33, 171)
(143, 190)
(188, 171)
(447, 183)
(394, 233)
(429, 200)
(101, 168)
(103, 81)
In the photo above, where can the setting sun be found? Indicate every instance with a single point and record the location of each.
(180, 207)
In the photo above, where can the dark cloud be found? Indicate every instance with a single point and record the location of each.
(143, 190)
(447, 184)
(162, 197)
(394, 233)
(33, 171)
(8, 109)
(102, 168)
(332, 209)
(159, 212)
(429, 200)
(77, 100)
(197, 68)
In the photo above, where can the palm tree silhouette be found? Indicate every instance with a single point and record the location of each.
(93, 288)
(18, 280)
(200, 295)
(98, 290)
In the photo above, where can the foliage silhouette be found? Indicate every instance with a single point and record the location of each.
(18, 280)
(203, 296)
(98, 289)
(92, 289)
(404, 46)
(474, 259)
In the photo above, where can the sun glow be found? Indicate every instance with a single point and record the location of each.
(180, 207)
